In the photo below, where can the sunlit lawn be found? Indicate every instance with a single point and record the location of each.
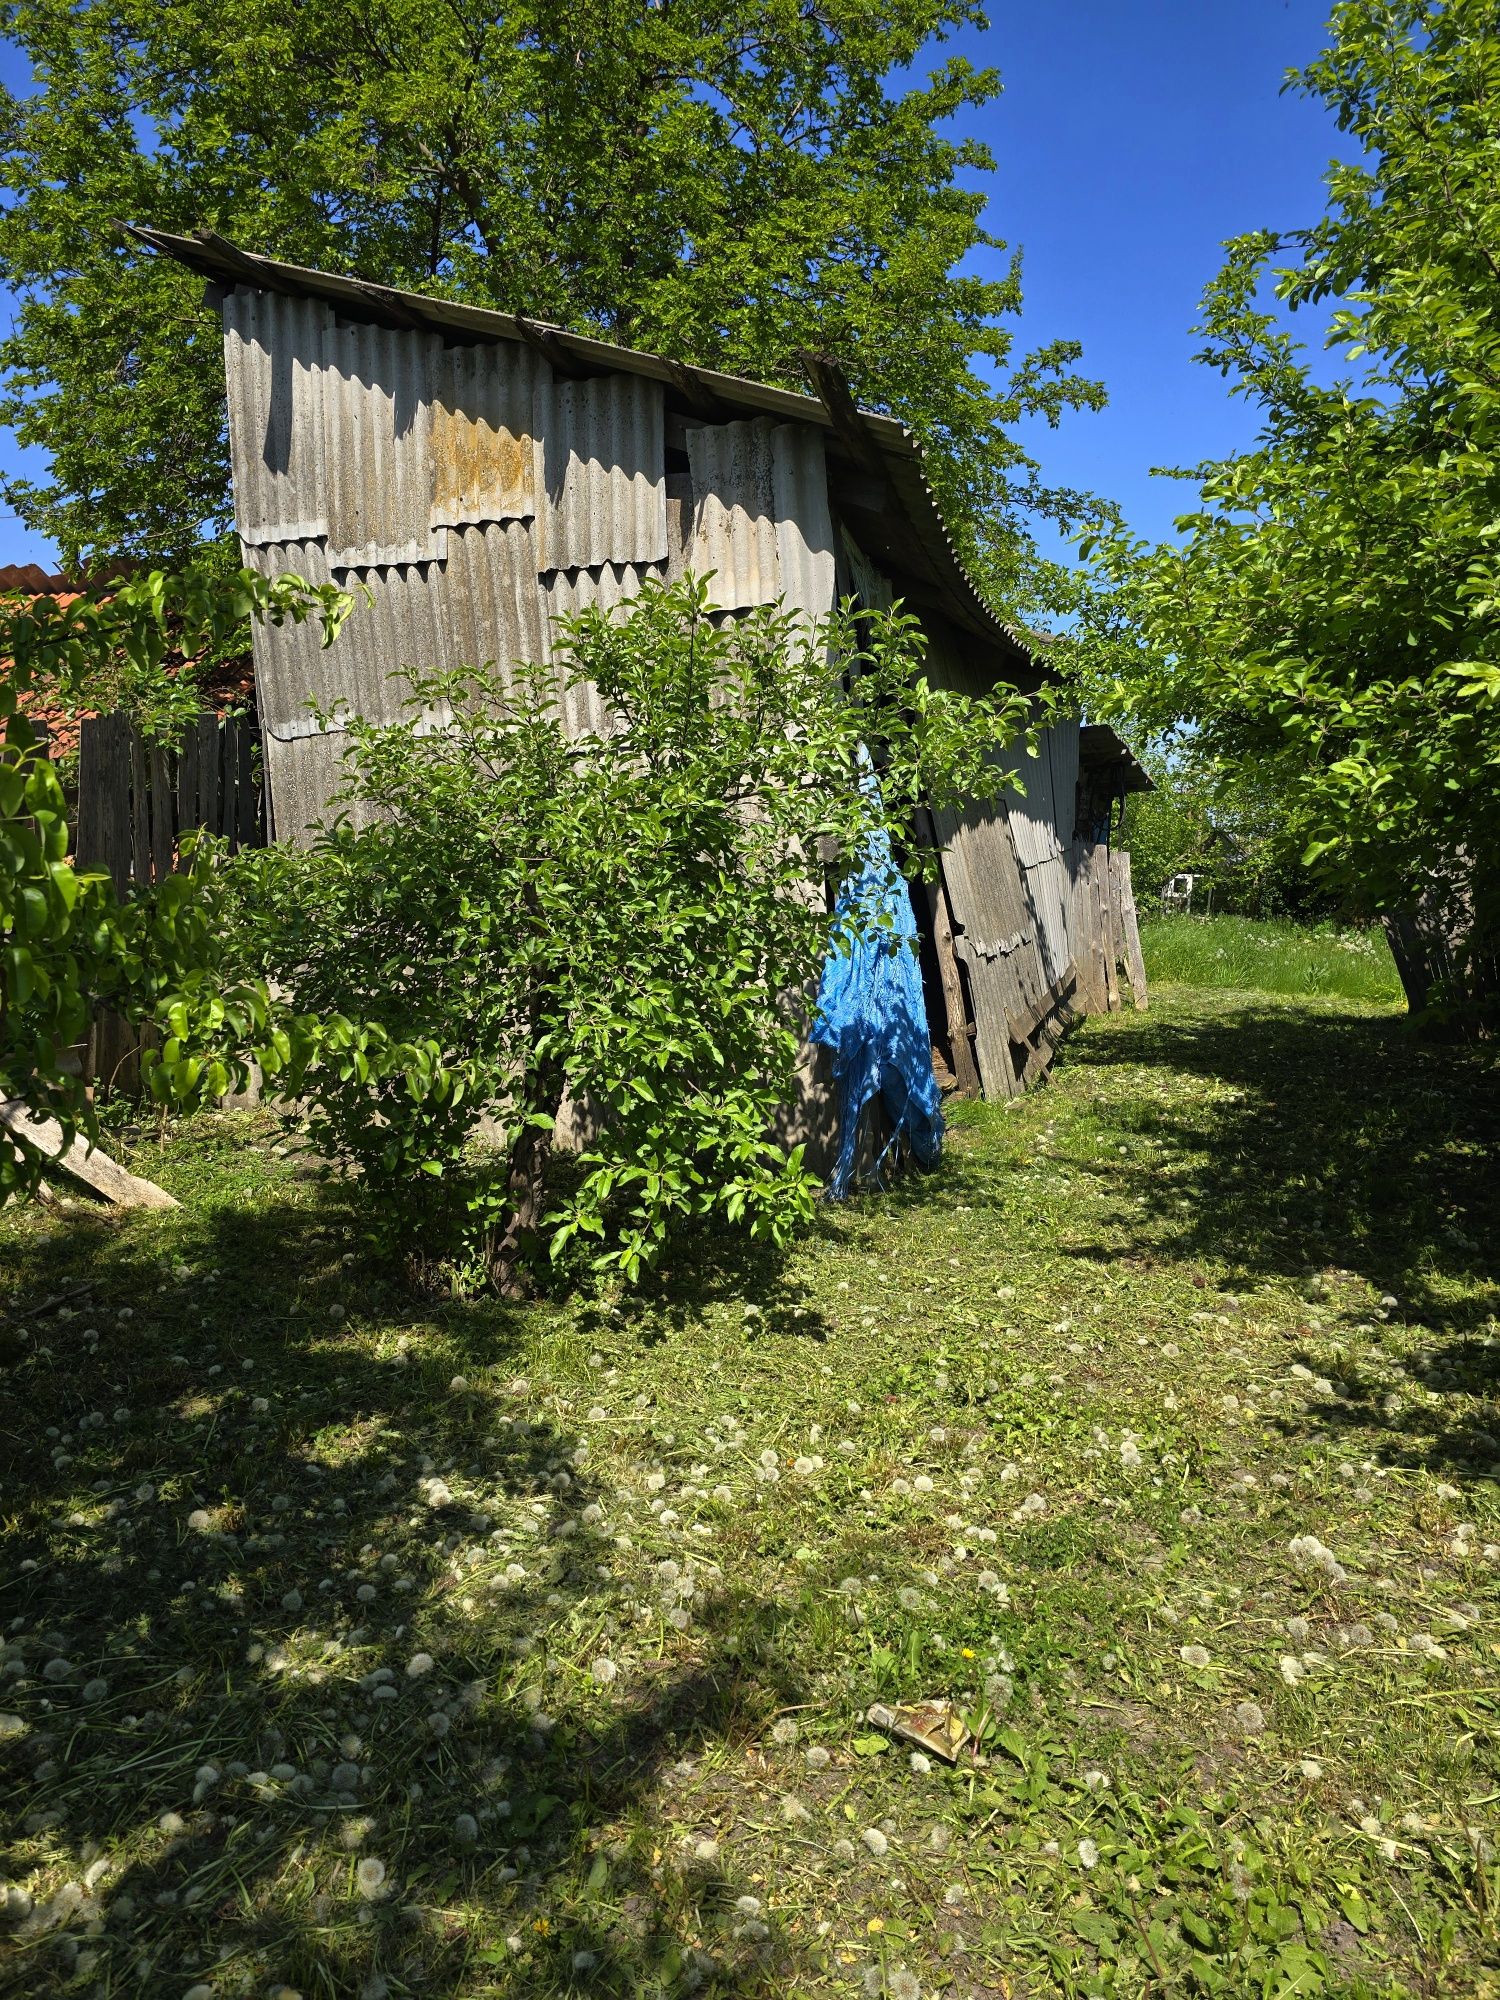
(359, 1645)
(1271, 955)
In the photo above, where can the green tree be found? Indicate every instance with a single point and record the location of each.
(1232, 828)
(630, 920)
(730, 185)
(1331, 618)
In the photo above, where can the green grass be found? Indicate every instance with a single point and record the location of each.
(1246, 954)
(1228, 1283)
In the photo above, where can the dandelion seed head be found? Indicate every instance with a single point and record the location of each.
(876, 1841)
(419, 1664)
(1193, 1656)
(1088, 1854)
(369, 1876)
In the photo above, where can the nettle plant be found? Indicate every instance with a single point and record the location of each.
(622, 928)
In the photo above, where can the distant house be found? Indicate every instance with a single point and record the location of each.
(483, 474)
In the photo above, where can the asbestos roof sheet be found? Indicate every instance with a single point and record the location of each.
(605, 496)
(276, 438)
(875, 463)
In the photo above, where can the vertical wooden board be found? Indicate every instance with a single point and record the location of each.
(1111, 929)
(991, 930)
(1130, 927)
(115, 781)
(228, 764)
(1093, 987)
(88, 833)
(187, 784)
(1083, 924)
(104, 833)
(247, 792)
(1099, 877)
(163, 799)
(960, 1030)
(140, 811)
(208, 772)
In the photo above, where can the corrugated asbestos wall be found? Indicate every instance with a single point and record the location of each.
(473, 497)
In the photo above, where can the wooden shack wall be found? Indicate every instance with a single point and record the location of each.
(476, 497)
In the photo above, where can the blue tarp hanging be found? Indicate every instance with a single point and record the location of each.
(872, 1014)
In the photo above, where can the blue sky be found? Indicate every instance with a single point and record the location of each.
(1132, 138)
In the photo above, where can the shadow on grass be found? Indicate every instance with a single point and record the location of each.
(1334, 1143)
(238, 1579)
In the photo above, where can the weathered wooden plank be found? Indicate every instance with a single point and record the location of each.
(228, 767)
(1024, 1026)
(994, 931)
(1135, 963)
(187, 782)
(208, 772)
(1088, 947)
(960, 1027)
(247, 792)
(163, 814)
(93, 1167)
(940, 928)
(1098, 869)
(103, 839)
(140, 811)
(1111, 931)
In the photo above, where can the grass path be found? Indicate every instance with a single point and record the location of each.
(361, 1647)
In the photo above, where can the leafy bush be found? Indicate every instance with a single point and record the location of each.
(67, 945)
(627, 923)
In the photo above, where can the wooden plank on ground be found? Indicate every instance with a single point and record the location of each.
(94, 1168)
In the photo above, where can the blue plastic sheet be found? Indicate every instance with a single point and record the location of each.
(872, 1014)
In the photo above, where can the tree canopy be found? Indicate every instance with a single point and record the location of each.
(1331, 615)
(731, 186)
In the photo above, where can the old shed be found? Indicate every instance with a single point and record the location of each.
(481, 474)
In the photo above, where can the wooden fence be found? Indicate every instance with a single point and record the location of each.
(136, 801)
(1106, 933)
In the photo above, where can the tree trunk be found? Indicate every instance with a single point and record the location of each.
(511, 1248)
(1448, 961)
